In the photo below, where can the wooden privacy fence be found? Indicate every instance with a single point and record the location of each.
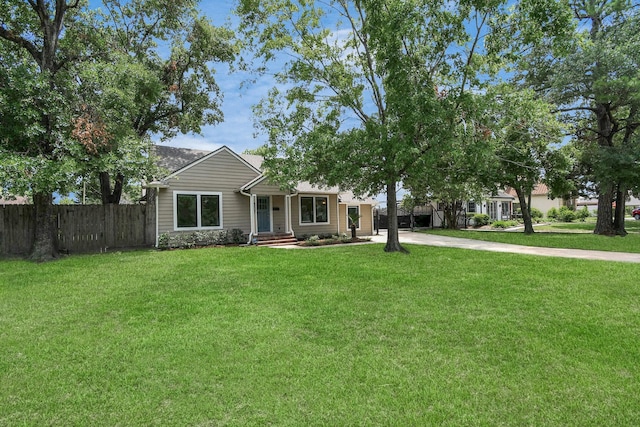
(80, 228)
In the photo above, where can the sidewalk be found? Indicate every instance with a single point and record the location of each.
(406, 236)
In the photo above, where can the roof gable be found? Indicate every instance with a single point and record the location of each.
(193, 154)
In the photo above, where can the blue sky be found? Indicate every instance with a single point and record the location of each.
(237, 131)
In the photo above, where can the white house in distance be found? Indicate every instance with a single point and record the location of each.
(498, 207)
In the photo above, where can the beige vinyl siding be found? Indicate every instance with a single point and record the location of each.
(366, 224)
(222, 172)
(318, 228)
(366, 220)
(264, 189)
(278, 210)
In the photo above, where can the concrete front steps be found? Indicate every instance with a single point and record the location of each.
(276, 239)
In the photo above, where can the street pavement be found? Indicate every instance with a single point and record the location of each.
(416, 238)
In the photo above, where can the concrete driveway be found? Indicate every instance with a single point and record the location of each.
(454, 242)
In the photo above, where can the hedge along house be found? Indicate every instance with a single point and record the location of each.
(223, 190)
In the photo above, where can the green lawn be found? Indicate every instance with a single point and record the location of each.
(331, 336)
(575, 235)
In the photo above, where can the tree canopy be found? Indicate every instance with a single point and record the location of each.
(373, 91)
(82, 91)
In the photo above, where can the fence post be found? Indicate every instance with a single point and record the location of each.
(3, 239)
(150, 217)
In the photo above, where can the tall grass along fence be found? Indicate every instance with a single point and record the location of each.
(88, 228)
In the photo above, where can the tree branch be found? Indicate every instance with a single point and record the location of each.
(23, 43)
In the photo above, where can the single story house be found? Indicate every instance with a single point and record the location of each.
(541, 200)
(225, 190)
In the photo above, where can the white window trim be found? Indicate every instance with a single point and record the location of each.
(199, 195)
(314, 223)
(359, 216)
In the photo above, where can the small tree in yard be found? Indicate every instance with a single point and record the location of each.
(525, 130)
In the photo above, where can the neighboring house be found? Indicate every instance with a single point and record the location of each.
(592, 204)
(540, 199)
(14, 200)
(225, 190)
(499, 207)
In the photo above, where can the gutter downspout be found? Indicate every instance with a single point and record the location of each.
(251, 216)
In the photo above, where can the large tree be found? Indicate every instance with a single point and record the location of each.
(594, 78)
(82, 91)
(40, 44)
(371, 91)
(153, 76)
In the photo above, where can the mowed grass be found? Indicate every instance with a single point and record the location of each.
(329, 336)
(575, 235)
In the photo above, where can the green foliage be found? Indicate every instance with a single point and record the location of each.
(379, 98)
(566, 214)
(187, 240)
(504, 224)
(552, 213)
(527, 132)
(595, 82)
(536, 213)
(583, 214)
(480, 220)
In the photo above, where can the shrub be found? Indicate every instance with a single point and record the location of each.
(237, 236)
(182, 240)
(536, 213)
(583, 213)
(480, 219)
(566, 215)
(344, 238)
(552, 213)
(504, 224)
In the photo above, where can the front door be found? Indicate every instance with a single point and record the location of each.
(264, 214)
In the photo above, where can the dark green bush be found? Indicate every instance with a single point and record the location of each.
(565, 214)
(583, 213)
(480, 220)
(536, 213)
(552, 213)
(504, 224)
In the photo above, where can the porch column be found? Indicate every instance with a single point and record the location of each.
(253, 208)
(287, 203)
(288, 215)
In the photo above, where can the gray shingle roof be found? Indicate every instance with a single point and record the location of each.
(173, 158)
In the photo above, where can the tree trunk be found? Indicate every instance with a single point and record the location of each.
(604, 225)
(44, 246)
(618, 220)
(393, 243)
(525, 211)
(450, 216)
(108, 196)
